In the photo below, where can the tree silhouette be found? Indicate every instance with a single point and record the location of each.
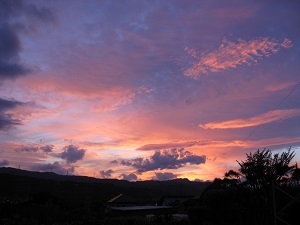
(248, 192)
(263, 168)
(295, 178)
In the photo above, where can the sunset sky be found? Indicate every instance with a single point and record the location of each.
(142, 90)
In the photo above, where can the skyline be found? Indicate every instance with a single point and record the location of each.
(147, 90)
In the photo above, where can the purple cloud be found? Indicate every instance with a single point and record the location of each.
(35, 148)
(10, 47)
(72, 153)
(20, 7)
(114, 162)
(167, 159)
(165, 176)
(47, 148)
(106, 174)
(10, 44)
(130, 177)
(4, 162)
(6, 119)
(53, 167)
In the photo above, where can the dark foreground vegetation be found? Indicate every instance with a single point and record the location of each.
(265, 190)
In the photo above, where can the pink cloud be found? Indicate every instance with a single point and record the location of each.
(113, 101)
(279, 86)
(233, 54)
(264, 118)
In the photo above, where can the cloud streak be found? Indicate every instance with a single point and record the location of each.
(269, 117)
(234, 54)
(184, 144)
(35, 148)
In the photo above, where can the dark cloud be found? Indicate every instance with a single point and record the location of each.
(9, 42)
(106, 174)
(35, 148)
(114, 162)
(167, 159)
(14, 8)
(130, 177)
(10, 45)
(8, 8)
(53, 167)
(7, 104)
(47, 148)
(12, 69)
(28, 148)
(165, 176)
(4, 162)
(6, 122)
(72, 153)
(6, 119)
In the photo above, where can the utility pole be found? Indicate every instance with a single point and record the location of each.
(274, 203)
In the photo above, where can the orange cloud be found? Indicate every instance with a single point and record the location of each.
(231, 54)
(268, 117)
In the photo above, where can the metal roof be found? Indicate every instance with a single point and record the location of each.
(134, 208)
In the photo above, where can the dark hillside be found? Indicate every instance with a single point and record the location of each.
(81, 189)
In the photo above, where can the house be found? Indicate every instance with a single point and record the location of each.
(140, 210)
(122, 200)
(123, 205)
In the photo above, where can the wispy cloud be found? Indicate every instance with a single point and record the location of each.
(254, 121)
(233, 54)
(113, 102)
(279, 86)
(171, 145)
